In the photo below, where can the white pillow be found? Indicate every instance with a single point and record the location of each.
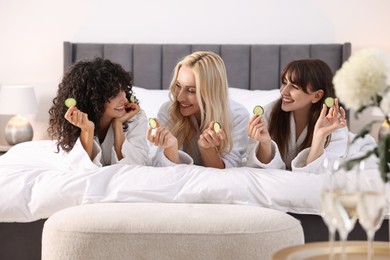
(152, 99)
(252, 98)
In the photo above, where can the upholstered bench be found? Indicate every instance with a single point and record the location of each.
(168, 231)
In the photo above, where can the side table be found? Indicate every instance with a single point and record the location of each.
(320, 250)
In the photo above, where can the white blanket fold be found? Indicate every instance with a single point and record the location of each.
(35, 182)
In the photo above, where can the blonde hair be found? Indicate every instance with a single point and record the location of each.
(212, 95)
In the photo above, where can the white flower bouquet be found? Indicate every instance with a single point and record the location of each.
(363, 81)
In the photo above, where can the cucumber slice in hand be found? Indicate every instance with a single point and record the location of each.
(132, 99)
(258, 110)
(152, 123)
(329, 102)
(70, 102)
(217, 127)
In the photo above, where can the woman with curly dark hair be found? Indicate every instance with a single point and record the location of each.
(106, 120)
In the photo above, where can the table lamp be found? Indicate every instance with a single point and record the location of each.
(18, 101)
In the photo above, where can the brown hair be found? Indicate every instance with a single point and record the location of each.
(310, 75)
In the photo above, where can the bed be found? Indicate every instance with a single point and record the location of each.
(34, 188)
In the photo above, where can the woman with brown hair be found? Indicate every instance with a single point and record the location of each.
(298, 130)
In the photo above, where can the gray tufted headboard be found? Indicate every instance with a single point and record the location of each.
(254, 66)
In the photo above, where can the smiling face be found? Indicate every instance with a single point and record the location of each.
(294, 99)
(186, 92)
(115, 107)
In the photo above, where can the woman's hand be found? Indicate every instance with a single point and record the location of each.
(258, 129)
(162, 137)
(325, 125)
(131, 110)
(329, 122)
(209, 138)
(79, 119)
(208, 143)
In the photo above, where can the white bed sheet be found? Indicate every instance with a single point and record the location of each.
(36, 182)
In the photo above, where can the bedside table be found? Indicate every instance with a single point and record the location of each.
(4, 148)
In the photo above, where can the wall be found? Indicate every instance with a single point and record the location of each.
(32, 31)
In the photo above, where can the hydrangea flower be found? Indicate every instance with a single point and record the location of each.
(361, 78)
(363, 81)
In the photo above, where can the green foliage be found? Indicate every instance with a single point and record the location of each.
(383, 153)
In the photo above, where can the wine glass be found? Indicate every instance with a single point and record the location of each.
(387, 195)
(371, 203)
(328, 204)
(346, 198)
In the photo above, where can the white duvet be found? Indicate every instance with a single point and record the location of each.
(35, 182)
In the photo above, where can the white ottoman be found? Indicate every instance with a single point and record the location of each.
(168, 231)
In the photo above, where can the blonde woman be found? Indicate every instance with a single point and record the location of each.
(185, 131)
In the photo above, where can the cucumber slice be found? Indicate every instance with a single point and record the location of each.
(70, 102)
(217, 127)
(132, 99)
(258, 110)
(329, 102)
(152, 123)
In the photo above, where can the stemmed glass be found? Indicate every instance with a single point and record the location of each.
(387, 195)
(328, 196)
(346, 198)
(371, 203)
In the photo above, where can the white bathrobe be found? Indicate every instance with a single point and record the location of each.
(239, 117)
(338, 148)
(134, 149)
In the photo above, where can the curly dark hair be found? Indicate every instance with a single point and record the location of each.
(91, 83)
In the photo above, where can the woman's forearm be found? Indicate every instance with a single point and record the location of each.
(119, 138)
(264, 152)
(212, 158)
(86, 139)
(316, 150)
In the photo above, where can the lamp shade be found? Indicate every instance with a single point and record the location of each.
(17, 100)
